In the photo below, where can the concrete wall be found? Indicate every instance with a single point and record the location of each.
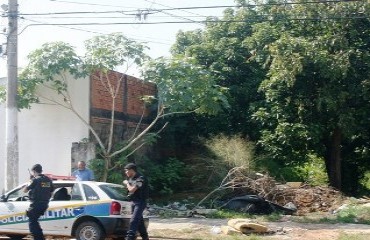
(47, 131)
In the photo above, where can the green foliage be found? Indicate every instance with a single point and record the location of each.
(312, 88)
(313, 171)
(48, 65)
(220, 49)
(107, 52)
(233, 151)
(351, 213)
(165, 178)
(220, 154)
(185, 86)
(354, 214)
(115, 175)
(2, 94)
(310, 169)
(365, 181)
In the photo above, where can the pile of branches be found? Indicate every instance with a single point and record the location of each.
(305, 198)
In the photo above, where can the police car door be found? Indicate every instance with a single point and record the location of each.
(62, 213)
(13, 208)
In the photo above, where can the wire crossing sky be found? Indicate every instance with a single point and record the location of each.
(152, 22)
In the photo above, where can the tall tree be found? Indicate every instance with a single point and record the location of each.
(220, 48)
(316, 89)
(49, 65)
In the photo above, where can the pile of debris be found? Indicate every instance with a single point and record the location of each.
(259, 194)
(293, 195)
(304, 198)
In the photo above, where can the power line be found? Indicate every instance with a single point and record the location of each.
(90, 4)
(205, 21)
(112, 17)
(172, 7)
(198, 7)
(142, 39)
(170, 14)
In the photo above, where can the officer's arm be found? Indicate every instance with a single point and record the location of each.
(30, 186)
(131, 188)
(138, 184)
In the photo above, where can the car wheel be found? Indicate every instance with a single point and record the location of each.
(89, 231)
(16, 237)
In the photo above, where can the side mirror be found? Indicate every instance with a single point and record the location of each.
(3, 198)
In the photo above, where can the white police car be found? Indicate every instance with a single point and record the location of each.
(84, 210)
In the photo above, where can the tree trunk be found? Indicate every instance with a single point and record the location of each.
(333, 159)
(105, 170)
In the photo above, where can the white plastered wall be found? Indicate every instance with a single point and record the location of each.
(47, 131)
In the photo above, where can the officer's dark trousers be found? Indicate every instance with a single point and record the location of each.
(137, 221)
(34, 212)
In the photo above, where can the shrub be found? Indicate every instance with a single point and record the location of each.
(165, 178)
(219, 154)
(313, 171)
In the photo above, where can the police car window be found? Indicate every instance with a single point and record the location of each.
(76, 193)
(90, 193)
(17, 195)
(115, 192)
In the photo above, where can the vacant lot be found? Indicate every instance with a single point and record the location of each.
(197, 229)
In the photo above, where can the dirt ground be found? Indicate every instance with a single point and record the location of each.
(198, 228)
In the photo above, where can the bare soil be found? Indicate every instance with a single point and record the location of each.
(201, 228)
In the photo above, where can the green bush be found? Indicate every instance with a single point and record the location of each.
(115, 175)
(313, 171)
(354, 214)
(365, 181)
(165, 178)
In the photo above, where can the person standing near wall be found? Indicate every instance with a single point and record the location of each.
(138, 189)
(83, 173)
(39, 192)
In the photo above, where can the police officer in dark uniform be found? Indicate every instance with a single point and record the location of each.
(39, 191)
(137, 186)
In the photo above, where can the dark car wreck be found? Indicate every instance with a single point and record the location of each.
(253, 204)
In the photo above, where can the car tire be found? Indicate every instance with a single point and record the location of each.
(16, 237)
(89, 231)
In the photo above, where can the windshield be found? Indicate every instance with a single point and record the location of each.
(115, 192)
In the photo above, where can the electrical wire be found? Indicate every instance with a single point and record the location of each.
(112, 17)
(170, 14)
(172, 7)
(205, 21)
(90, 4)
(202, 7)
(142, 39)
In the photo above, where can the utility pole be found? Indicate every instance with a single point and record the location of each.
(12, 153)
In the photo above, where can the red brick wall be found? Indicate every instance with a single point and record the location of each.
(128, 104)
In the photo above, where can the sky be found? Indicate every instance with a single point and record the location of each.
(138, 17)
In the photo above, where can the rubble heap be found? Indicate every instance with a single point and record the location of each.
(303, 197)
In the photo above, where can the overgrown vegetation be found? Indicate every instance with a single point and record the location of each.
(219, 154)
(165, 177)
(298, 89)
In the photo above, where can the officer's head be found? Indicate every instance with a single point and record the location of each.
(130, 170)
(37, 168)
